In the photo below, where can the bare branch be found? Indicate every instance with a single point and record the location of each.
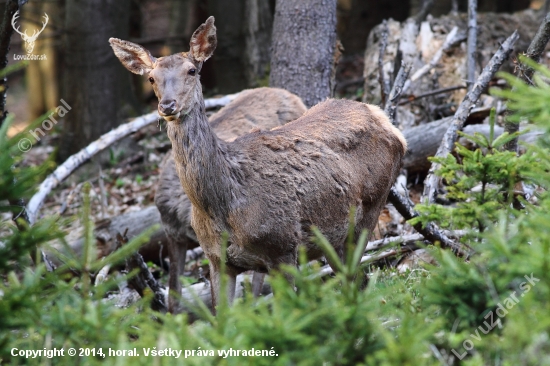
(534, 52)
(431, 232)
(144, 278)
(431, 183)
(76, 160)
(452, 39)
(471, 48)
(454, 7)
(424, 11)
(403, 204)
(384, 82)
(396, 90)
(412, 98)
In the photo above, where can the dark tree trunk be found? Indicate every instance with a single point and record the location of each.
(358, 17)
(259, 25)
(228, 59)
(95, 86)
(183, 21)
(244, 29)
(303, 47)
(5, 37)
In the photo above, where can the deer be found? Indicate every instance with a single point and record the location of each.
(254, 108)
(29, 40)
(262, 193)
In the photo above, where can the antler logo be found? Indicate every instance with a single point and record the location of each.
(29, 40)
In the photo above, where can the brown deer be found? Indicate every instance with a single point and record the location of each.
(255, 108)
(267, 188)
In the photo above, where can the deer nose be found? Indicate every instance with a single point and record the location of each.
(167, 107)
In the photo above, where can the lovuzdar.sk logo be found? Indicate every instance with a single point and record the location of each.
(29, 40)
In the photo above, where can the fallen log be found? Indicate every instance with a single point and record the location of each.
(156, 250)
(201, 292)
(423, 141)
(106, 230)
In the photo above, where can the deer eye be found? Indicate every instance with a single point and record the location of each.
(151, 80)
(192, 72)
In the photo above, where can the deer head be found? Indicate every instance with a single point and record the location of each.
(175, 79)
(29, 40)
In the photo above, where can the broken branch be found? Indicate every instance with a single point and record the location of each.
(452, 39)
(431, 183)
(534, 52)
(384, 82)
(431, 232)
(144, 278)
(396, 90)
(472, 43)
(412, 98)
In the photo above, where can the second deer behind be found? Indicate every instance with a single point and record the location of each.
(267, 189)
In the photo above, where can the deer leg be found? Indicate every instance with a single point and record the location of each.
(177, 251)
(257, 283)
(215, 278)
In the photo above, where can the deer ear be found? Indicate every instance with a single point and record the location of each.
(204, 41)
(134, 57)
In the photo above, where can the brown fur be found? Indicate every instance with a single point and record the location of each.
(255, 108)
(267, 188)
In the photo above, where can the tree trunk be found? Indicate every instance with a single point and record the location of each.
(95, 86)
(244, 29)
(228, 59)
(303, 48)
(358, 17)
(42, 76)
(183, 21)
(259, 25)
(6, 30)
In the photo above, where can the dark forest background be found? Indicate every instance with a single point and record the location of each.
(82, 69)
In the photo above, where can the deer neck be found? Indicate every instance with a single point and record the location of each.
(208, 173)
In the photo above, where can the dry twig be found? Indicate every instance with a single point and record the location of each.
(534, 52)
(471, 47)
(452, 39)
(431, 183)
(384, 82)
(395, 93)
(144, 278)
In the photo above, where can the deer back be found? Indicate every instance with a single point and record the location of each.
(311, 172)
